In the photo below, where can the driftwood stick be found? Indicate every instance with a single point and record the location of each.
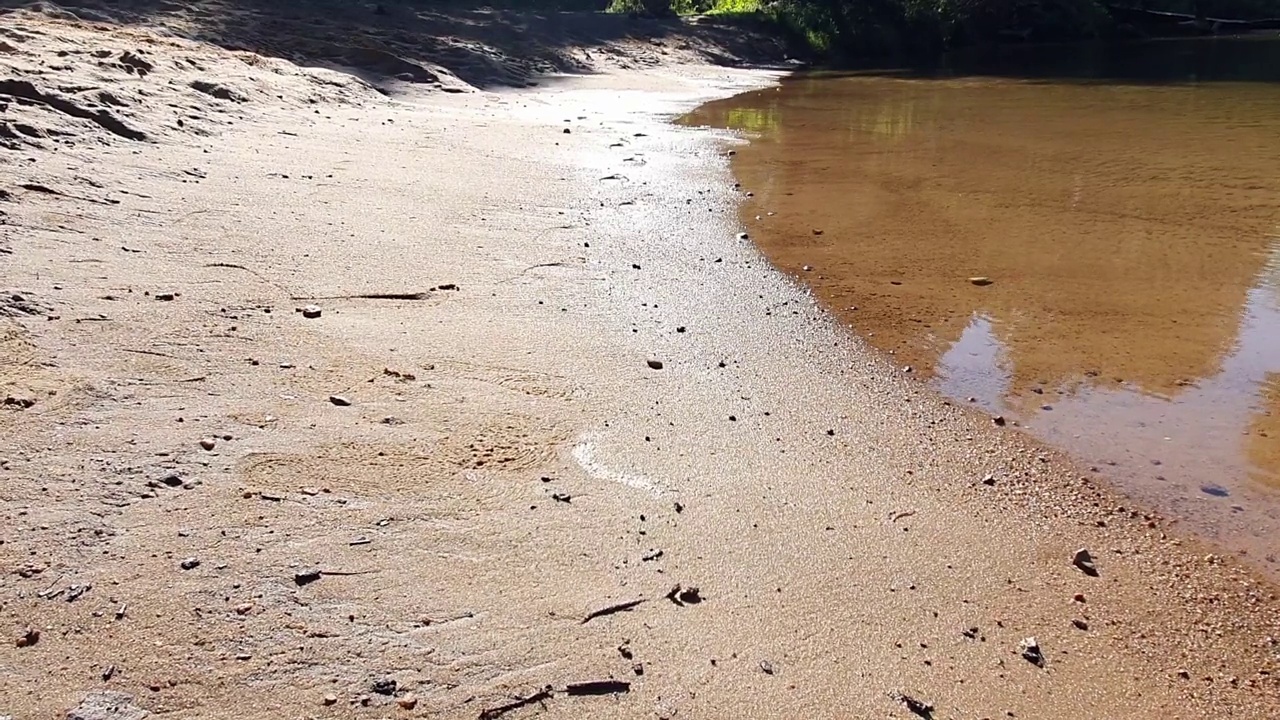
(499, 711)
(616, 608)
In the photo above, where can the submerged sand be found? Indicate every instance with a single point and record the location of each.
(473, 447)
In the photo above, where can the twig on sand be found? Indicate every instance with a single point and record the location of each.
(254, 273)
(499, 711)
(597, 687)
(579, 689)
(150, 352)
(368, 296)
(617, 608)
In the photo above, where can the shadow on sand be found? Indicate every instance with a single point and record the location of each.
(427, 42)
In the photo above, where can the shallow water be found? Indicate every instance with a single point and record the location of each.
(1126, 209)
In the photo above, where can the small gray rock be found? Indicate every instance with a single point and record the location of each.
(107, 705)
(1030, 650)
(1083, 560)
(340, 400)
(190, 563)
(311, 312)
(306, 576)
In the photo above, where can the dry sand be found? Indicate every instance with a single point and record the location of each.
(509, 461)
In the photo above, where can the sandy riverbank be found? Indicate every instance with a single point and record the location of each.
(509, 462)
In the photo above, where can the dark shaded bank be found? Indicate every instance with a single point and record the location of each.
(1254, 58)
(843, 30)
(446, 44)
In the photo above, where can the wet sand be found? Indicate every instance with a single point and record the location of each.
(1128, 233)
(472, 445)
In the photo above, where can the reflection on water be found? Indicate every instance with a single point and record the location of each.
(1130, 230)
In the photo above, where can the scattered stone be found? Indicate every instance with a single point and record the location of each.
(651, 555)
(567, 131)
(1214, 490)
(625, 651)
(562, 497)
(329, 699)
(392, 420)
(340, 400)
(107, 705)
(989, 479)
(384, 686)
(408, 701)
(743, 236)
(28, 638)
(1029, 648)
(208, 443)
(684, 596)
(166, 296)
(638, 668)
(915, 705)
(1078, 597)
(981, 281)
(1080, 624)
(998, 420)
(765, 665)
(22, 403)
(190, 563)
(655, 364)
(172, 480)
(306, 576)
(808, 268)
(1083, 560)
(971, 633)
(816, 231)
(311, 312)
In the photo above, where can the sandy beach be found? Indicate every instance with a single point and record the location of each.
(327, 395)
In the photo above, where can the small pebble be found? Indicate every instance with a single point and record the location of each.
(340, 400)
(311, 311)
(190, 563)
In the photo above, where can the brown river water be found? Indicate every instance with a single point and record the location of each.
(1124, 204)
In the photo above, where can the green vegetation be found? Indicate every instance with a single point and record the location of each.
(842, 29)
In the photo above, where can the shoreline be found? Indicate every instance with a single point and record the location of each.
(1049, 360)
(514, 461)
